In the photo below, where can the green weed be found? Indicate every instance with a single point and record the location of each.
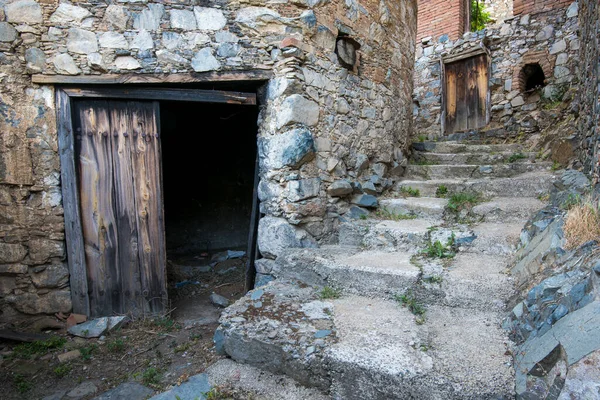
(409, 300)
(424, 161)
(556, 166)
(516, 157)
(116, 345)
(330, 293)
(86, 352)
(151, 376)
(410, 192)
(571, 201)
(463, 200)
(422, 138)
(62, 370)
(441, 191)
(434, 279)
(27, 350)
(385, 214)
(439, 250)
(22, 384)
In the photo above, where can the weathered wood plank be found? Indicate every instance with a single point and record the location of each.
(252, 237)
(193, 95)
(128, 267)
(234, 76)
(73, 229)
(96, 190)
(149, 203)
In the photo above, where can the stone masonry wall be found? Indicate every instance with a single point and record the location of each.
(549, 39)
(329, 137)
(589, 91)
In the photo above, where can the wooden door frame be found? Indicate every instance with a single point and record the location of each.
(70, 194)
(481, 50)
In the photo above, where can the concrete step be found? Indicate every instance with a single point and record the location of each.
(405, 235)
(424, 207)
(472, 171)
(456, 147)
(496, 238)
(508, 209)
(356, 347)
(531, 184)
(419, 157)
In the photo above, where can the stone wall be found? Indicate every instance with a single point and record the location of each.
(439, 17)
(499, 9)
(589, 90)
(330, 137)
(549, 39)
(555, 318)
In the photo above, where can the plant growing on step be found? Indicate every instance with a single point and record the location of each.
(151, 376)
(441, 191)
(516, 157)
(421, 138)
(571, 201)
(63, 370)
(408, 300)
(438, 250)
(434, 279)
(408, 191)
(23, 384)
(330, 293)
(388, 215)
(556, 166)
(463, 200)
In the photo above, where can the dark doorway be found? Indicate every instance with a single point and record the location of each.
(208, 162)
(532, 77)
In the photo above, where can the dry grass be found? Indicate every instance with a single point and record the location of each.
(582, 224)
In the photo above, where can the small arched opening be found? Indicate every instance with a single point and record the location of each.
(531, 77)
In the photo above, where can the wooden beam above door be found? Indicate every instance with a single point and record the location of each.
(193, 77)
(195, 95)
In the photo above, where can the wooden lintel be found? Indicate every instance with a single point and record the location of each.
(194, 77)
(196, 95)
(461, 56)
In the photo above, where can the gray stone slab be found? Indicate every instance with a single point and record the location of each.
(128, 391)
(194, 388)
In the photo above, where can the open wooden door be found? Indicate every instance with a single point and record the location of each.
(466, 94)
(117, 160)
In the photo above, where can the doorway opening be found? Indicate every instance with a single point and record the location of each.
(532, 77)
(208, 168)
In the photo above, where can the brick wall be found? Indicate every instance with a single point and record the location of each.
(521, 7)
(439, 17)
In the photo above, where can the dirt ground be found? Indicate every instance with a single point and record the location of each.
(156, 351)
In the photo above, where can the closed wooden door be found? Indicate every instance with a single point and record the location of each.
(117, 151)
(466, 94)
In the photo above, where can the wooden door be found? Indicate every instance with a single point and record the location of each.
(117, 158)
(466, 94)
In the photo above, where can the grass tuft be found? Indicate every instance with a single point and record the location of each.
(463, 200)
(387, 215)
(441, 191)
(330, 293)
(409, 300)
(27, 350)
(408, 191)
(516, 157)
(582, 224)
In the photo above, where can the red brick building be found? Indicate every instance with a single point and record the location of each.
(452, 17)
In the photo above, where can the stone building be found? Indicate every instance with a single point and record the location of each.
(322, 89)
(529, 62)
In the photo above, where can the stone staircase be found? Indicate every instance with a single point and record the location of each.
(373, 317)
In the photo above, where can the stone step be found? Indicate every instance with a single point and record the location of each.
(496, 238)
(406, 235)
(531, 184)
(424, 207)
(508, 209)
(472, 171)
(355, 347)
(419, 157)
(456, 147)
